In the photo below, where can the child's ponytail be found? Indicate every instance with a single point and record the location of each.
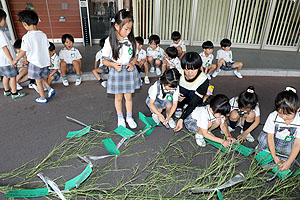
(287, 101)
(248, 98)
(171, 78)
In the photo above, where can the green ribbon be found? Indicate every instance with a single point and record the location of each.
(110, 146)
(76, 181)
(149, 122)
(30, 193)
(79, 133)
(124, 132)
(219, 195)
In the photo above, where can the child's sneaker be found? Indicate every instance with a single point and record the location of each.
(45, 89)
(158, 72)
(152, 69)
(238, 74)
(51, 93)
(39, 100)
(172, 123)
(121, 122)
(130, 121)
(104, 84)
(216, 72)
(147, 81)
(65, 82)
(18, 95)
(155, 118)
(249, 137)
(78, 81)
(208, 76)
(33, 86)
(200, 140)
(178, 112)
(19, 87)
(7, 93)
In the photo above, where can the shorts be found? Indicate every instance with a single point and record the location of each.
(104, 68)
(36, 73)
(159, 104)
(56, 75)
(8, 71)
(228, 66)
(154, 60)
(140, 69)
(70, 66)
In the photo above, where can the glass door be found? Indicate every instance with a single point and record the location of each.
(8, 29)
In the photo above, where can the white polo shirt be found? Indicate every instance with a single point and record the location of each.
(152, 92)
(4, 41)
(226, 55)
(203, 116)
(55, 62)
(36, 45)
(174, 63)
(206, 61)
(141, 55)
(180, 44)
(157, 53)
(98, 57)
(69, 55)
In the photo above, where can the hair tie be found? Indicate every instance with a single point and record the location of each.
(291, 89)
(113, 20)
(250, 91)
(127, 10)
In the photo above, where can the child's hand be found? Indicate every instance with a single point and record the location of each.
(284, 165)
(231, 140)
(161, 118)
(117, 66)
(14, 63)
(276, 160)
(242, 137)
(226, 143)
(181, 97)
(179, 125)
(129, 67)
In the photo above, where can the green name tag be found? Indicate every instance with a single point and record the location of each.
(130, 51)
(289, 138)
(169, 97)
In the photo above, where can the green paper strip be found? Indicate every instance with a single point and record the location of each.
(149, 131)
(40, 192)
(264, 157)
(110, 146)
(76, 181)
(124, 132)
(282, 174)
(147, 120)
(219, 195)
(79, 133)
(238, 147)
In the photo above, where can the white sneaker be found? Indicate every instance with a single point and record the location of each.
(238, 74)
(45, 89)
(158, 72)
(155, 118)
(33, 86)
(172, 123)
(208, 76)
(104, 84)
(121, 122)
(178, 112)
(152, 69)
(19, 87)
(200, 140)
(78, 81)
(147, 81)
(231, 129)
(249, 137)
(65, 82)
(130, 121)
(216, 72)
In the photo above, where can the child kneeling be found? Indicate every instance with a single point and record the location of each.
(163, 94)
(204, 119)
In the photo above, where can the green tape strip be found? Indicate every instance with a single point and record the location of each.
(40, 192)
(147, 120)
(79, 133)
(110, 146)
(264, 157)
(219, 195)
(149, 131)
(282, 174)
(124, 132)
(79, 179)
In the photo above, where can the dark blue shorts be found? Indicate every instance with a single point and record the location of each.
(228, 66)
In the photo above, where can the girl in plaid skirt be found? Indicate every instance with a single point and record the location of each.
(119, 54)
(281, 133)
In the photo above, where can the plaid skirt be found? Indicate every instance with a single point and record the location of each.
(35, 72)
(191, 124)
(159, 104)
(281, 146)
(8, 71)
(124, 81)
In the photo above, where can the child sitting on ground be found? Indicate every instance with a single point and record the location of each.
(163, 94)
(99, 68)
(142, 59)
(204, 119)
(225, 62)
(171, 60)
(281, 132)
(245, 112)
(22, 66)
(178, 44)
(54, 68)
(70, 60)
(155, 54)
(207, 58)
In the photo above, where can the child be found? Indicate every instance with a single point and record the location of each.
(155, 54)
(163, 94)
(142, 59)
(245, 110)
(119, 54)
(70, 60)
(171, 60)
(54, 69)
(281, 132)
(207, 118)
(207, 58)
(7, 70)
(178, 44)
(99, 67)
(22, 66)
(35, 45)
(224, 56)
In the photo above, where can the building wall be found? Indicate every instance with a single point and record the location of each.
(72, 24)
